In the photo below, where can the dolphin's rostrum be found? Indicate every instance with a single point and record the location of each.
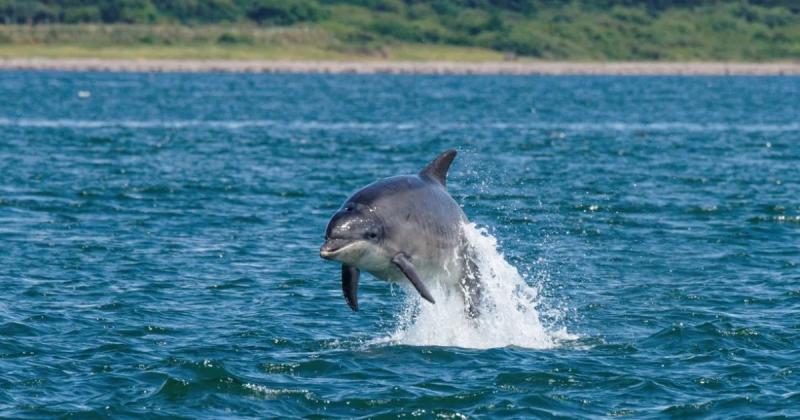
(403, 228)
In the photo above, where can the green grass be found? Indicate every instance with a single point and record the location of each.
(214, 42)
(400, 52)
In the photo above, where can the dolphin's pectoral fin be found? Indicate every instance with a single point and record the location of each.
(350, 285)
(402, 262)
(437, 170)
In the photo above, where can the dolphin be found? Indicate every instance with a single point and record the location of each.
(404, 228)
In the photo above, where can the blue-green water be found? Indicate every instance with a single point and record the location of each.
(160, 245)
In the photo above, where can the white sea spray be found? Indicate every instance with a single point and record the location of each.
(509, 313)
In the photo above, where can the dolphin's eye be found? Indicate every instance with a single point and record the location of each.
(349, 207)
(372, 235)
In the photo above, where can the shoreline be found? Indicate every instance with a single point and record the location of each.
(520, 67)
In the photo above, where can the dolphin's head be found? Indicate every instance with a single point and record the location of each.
(354, 234)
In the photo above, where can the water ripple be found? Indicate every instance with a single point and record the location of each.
(160, 246)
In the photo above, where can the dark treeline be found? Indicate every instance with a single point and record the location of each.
(288, 12)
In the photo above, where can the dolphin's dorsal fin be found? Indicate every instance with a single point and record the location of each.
(437, 170)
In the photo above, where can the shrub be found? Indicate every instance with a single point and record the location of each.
(26, 11)
(200, 11)
(232, 38)
(520, 40)
(472, 21)
(128, 11)
(281, 12)
(394, 27)
(82, 14)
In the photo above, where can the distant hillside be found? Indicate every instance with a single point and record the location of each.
(753, 30)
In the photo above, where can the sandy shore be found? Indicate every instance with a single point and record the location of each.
(428, 67)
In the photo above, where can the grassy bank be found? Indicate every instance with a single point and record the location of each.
(437, 30)
(241, 42)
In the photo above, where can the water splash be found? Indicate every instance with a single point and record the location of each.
(508, 312)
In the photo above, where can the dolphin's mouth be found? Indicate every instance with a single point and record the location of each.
(333, 246)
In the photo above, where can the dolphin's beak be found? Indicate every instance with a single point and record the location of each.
(332, 246)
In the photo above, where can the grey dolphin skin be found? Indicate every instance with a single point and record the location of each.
(402, 228)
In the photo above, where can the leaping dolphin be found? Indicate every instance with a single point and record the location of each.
(403, 228)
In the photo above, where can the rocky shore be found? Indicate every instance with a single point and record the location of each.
(519, 67)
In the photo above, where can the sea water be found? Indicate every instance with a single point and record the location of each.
(159, 246)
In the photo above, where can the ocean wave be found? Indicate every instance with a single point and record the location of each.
(618, 126)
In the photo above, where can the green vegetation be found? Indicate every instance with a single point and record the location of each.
(754, 30)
